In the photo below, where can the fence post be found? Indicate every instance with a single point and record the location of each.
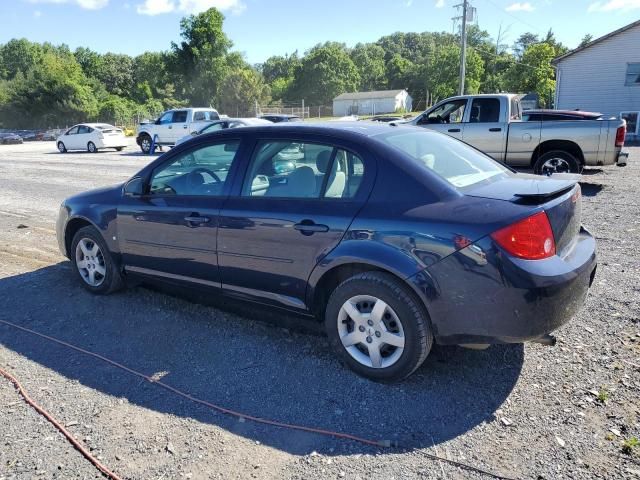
(303, 108)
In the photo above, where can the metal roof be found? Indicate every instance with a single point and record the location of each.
(369, 95)
(597, 40)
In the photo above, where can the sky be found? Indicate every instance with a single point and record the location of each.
(262, 28)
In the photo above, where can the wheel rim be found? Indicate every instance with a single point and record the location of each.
(556, 165)
(61, 147)
(90, 262)
(370, 331)
(146, 145)
(92, 147)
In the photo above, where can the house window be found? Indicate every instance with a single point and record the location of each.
(633, 74)
(632, 122)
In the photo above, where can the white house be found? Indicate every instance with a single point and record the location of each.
(371, 103)
(603, 76)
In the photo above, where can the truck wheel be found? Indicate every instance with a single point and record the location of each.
(145, 143)
(557, 161)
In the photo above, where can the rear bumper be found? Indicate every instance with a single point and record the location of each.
(623, 158)
(112, 142)
(481, 295)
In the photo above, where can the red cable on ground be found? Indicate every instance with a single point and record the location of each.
(381, 443)
(59, 426)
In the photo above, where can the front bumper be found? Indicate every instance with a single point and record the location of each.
(481, 295)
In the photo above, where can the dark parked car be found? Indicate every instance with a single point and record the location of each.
(280, 117)
(394, 237)
(10, 139)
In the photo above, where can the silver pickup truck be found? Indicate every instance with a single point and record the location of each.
(494, 125)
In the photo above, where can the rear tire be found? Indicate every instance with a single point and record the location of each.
(93, 262)
(369, 308)
(557, 161)
(91, 147)
(62, 148)
(119, 149)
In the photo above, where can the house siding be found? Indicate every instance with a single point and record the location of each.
(594, 78)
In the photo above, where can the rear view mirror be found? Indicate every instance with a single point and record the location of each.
(134, 187)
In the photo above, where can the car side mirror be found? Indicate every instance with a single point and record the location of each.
(134, 187)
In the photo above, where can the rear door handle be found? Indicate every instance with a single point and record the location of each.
(496, 129)
(454, 130)
(195, 219)
(308, 228)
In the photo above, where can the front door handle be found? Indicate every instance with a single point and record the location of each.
(307, 227)
(170, 127)
(195, 219)
(454, 130)
(184, 126)
(496, 129)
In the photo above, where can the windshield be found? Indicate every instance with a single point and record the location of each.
(456, 162)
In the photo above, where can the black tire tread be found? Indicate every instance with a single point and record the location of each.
(537, 167)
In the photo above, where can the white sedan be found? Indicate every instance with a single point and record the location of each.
(91, 137)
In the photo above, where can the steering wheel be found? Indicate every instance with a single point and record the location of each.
(193, 184)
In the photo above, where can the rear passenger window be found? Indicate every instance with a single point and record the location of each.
(485, 110)
(179, 117)
(289, 169)
(198, 116)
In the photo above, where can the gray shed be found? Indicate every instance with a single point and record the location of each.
(371, 103)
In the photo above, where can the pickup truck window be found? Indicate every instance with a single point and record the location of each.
(165, 119)
(456, 162)
(450, 112)
(180, 116)
(485, 110)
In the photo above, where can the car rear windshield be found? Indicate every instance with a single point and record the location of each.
(456, 162)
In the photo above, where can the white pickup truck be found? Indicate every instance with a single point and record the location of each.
(174, 124)
(494, 125)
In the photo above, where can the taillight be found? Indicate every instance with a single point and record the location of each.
(531, 238)
(620, 134)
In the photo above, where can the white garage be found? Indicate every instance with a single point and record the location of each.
(372, 103)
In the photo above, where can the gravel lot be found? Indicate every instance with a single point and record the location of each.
(521, 411)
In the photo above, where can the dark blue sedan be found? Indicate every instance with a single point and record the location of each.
(394, 237)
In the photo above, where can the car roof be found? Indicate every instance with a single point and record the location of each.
(339, 129)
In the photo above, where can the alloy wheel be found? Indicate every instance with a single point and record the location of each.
(556, 165)
(90, 262)
(371, 331)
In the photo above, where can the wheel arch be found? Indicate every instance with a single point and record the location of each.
(72, 227)
(561, 145)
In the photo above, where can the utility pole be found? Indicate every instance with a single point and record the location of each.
(463, 46)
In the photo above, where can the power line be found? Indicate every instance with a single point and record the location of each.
(513, 16)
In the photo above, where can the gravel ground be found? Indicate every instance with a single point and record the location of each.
(521, 411)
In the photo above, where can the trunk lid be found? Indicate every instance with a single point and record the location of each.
(559, 196)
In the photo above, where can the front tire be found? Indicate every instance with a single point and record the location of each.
(62, 148)
(378, 327)
(91, 147)
(145, 143)
(119, 149)
(557, 161)
(93, 262)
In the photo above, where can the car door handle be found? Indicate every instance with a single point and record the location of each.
(170, 127)
(454, 130)
(496, 129)
(308, 228)
(195, 219)
(184, 126)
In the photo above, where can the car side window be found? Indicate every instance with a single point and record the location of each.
(202, 171)
(199, 116)
(179, 116)
(166, 118)
(450, 112)
(83, 129)
(212, 115)
(73, 131)
(291, 169)
(485, 110)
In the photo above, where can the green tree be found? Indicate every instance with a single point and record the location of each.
(588, 38)
(534, 73)
(199, 63)
(115, 71)
(89, 60)
(54, 91)
(18, 55)
(523, 42)
(326, 72)
(369, 60)
(240, 90)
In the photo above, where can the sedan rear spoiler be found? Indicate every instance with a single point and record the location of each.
(527, 188)
(553, 186)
